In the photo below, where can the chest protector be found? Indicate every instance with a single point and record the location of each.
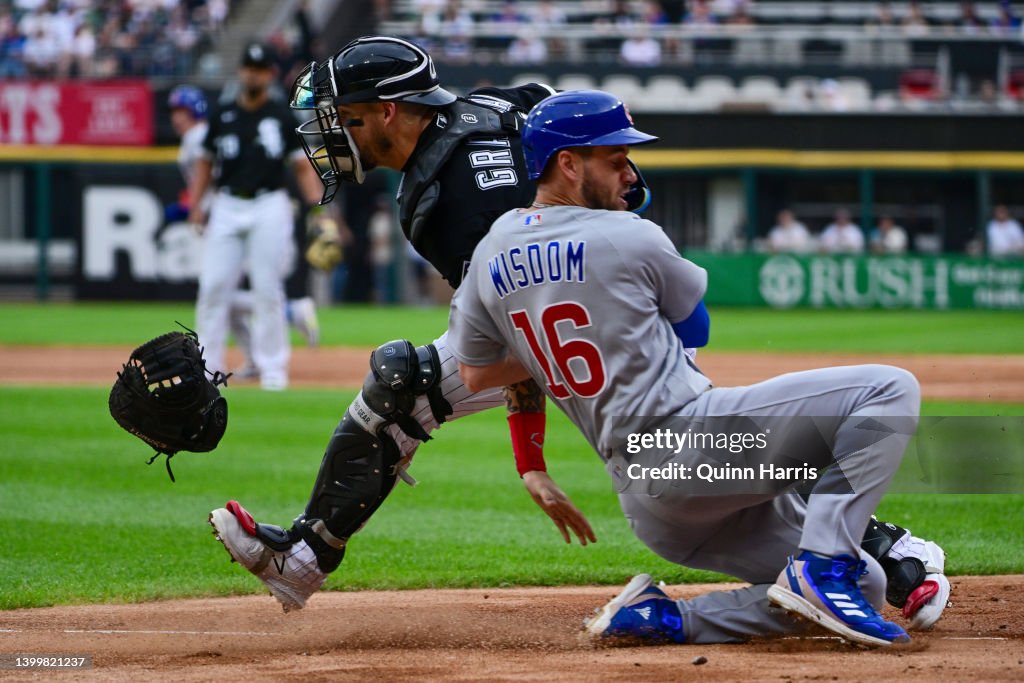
(419, 190)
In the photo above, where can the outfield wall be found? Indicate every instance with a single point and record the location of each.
(91, 220)
(930, 282)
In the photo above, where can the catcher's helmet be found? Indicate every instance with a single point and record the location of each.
(369, 69)
(576, 118)
(190, 98)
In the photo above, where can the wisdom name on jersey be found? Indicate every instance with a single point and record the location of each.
(537, 264)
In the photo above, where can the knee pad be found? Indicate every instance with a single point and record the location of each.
(399, 373)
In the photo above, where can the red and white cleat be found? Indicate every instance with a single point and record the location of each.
(288, 569)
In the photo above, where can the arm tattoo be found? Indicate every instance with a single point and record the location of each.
(524, 397)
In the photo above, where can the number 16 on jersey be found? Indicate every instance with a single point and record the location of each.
(591, 379)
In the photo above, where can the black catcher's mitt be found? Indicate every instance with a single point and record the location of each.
(164, 397)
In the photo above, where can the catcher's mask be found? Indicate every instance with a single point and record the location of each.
(369, 69)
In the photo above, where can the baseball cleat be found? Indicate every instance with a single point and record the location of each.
(914, 571)
(927, 603)
(289, 571)
(924, 562)
(641, 610)
(302, 316)
(824, 590)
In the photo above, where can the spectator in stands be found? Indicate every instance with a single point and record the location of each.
(509, 14)
(41, 53)
(106, 39)
(842, 236)
(969, 22)
(740, 19)
(429, 14)
(547, 13)
(182, 32)
(831, 97)
(216, 14)
(1006, 22)
(653, 13)
(675, 10)
(700, 16)
(83, 51)
(429, 6)
(989, 96)
(458, 48)
(449, 16)
(527, 48)
(727, 8)
(789, 235)
(915, 23)
(888, 237)
(622, 14)
(1004, 235)
(12, 46)
(640, 49)
(457, 28)
(883, 18)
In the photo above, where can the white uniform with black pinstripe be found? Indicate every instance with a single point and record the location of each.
(461, 399)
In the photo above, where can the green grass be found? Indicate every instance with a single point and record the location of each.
(85, 520)
(732, 329)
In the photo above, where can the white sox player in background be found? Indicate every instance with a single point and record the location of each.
(248, 145)
(189, 109)
(596, 305)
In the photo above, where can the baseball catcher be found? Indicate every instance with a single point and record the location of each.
(163, 396)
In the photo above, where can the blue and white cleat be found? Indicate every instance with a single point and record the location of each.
(641, 610)
(824, 590)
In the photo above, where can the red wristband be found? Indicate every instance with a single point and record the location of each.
(527, 430)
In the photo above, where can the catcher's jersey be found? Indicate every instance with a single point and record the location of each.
(585, 300)
(481, 180)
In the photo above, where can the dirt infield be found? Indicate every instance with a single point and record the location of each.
(519, 634)
(947, 377)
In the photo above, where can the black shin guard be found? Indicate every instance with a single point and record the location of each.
(358, 472)
(362, 461)
(903, 576)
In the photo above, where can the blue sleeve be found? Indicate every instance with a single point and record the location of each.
(694, 330)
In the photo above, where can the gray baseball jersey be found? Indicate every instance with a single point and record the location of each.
(585, 300)
(190, 151)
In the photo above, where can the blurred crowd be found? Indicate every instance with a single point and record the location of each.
(452, 28)
(105, 38)
(1003, 237)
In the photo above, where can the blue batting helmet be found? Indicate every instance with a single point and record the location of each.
(188, 97)
(576, 118)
